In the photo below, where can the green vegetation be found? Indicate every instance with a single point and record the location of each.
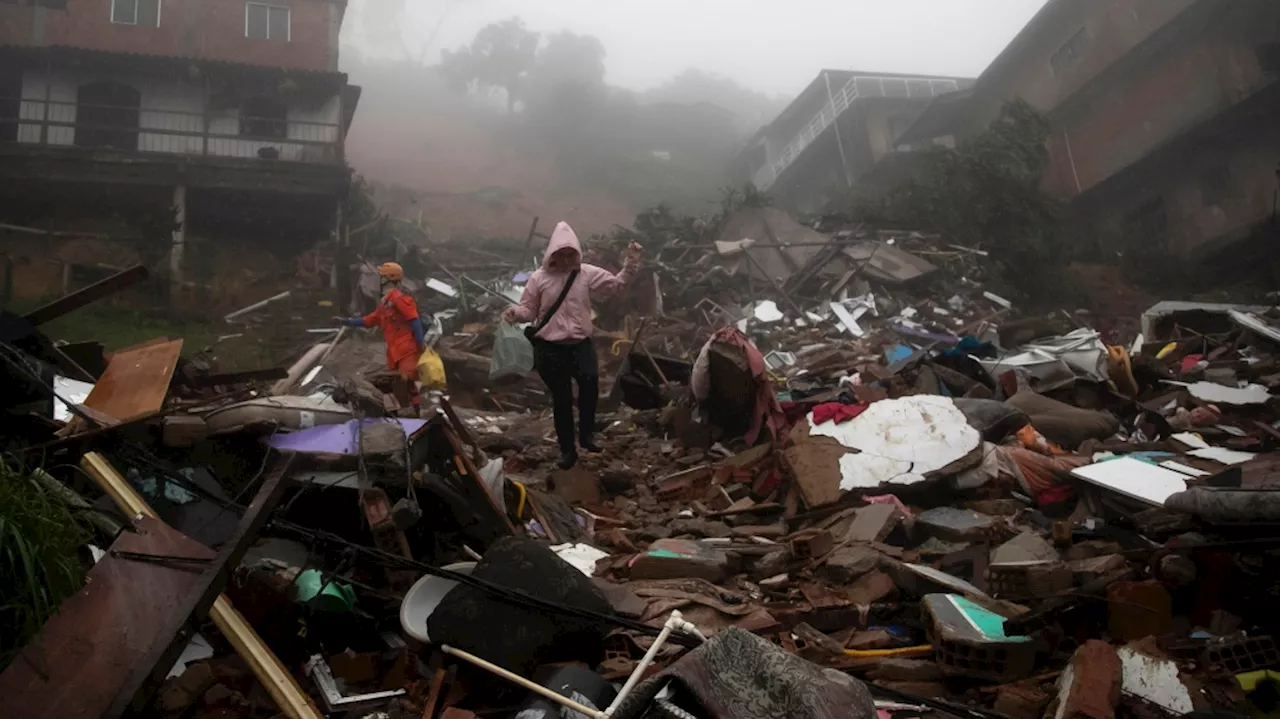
(39, 564)
(986, 193)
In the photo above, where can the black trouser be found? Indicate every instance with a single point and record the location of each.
(559, 366)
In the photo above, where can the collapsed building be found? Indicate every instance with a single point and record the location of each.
(1160, 136)
(837, 465)
(205, 138)
(834, 133)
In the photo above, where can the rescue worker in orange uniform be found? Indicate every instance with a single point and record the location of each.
(397, 316)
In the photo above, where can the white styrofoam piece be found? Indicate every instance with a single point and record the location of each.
(767, 311)
(1155, 680)
(1212, 392)
(1179, 467)
(1190, 439)
(900, 440)
(443, 288)
(1223, 455)
(1135, 479)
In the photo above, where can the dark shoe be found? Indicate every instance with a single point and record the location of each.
(590, 447)
(567, 460)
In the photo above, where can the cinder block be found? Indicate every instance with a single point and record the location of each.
(1242, 654)
(969, 640)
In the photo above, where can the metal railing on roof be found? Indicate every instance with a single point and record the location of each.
(859, 86)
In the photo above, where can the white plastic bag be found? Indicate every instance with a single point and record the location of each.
(512, 353)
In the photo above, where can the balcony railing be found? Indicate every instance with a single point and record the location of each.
(177, 132)
(859, 86)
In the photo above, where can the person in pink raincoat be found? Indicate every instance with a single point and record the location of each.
(563, 352)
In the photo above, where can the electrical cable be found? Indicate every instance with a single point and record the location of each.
(142, 455)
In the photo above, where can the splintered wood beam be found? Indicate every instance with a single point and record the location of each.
(87, 295)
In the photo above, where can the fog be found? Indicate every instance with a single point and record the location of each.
(770, 46)
(591, 111)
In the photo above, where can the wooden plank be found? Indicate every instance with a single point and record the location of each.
(136, 381)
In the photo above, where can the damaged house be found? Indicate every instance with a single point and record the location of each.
(1162, 111)
(834, 132)
(201, 138)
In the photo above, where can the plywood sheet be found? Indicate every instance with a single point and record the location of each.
(90, 658)
(136, 381)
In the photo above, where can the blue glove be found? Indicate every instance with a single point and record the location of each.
(419, 335)
(353, 322)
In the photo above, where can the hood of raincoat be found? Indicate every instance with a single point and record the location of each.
(562, 237)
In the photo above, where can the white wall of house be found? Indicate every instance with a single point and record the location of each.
(175, 113)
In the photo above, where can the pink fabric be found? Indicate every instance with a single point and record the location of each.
(889, 499)
(573, 320)
(768, 411)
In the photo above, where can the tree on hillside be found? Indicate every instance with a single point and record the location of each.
(501, 55)
(986, 193)
(566, 90)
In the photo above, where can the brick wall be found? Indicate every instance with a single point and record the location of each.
(206, 29)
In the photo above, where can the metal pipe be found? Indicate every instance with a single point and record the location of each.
(675, 621)
(531, 686)
(255, 305)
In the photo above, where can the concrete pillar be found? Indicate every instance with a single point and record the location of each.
(179, 239)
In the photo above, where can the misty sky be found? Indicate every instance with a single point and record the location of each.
(776, 46)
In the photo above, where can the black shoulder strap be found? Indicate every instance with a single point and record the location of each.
(555, 306)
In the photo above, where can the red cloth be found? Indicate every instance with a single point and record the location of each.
(768, 412)
(392, 316)
(794, 411)
(837, 412)
(1055, 495)
(1189, 362)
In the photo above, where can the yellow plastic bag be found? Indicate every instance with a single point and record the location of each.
(431, 370)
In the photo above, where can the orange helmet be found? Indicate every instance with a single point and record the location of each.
(391, 271)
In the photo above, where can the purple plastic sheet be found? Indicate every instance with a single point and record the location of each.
(334, 438)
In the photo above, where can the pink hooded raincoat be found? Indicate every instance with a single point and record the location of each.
(572, 322)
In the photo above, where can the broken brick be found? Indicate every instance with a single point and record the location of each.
(873, 523)
(874, 639)
(872, 587)
(848, 563)
(1138, 609)
(1090, 686)
(933, 690)
(902, 670)
(811, 544)
(1021, 702)
(576, 485)
(681, 559)
(1087, 570)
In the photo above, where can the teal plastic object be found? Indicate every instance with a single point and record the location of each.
(333, 596)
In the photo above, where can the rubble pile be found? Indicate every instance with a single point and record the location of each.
(840, 477)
